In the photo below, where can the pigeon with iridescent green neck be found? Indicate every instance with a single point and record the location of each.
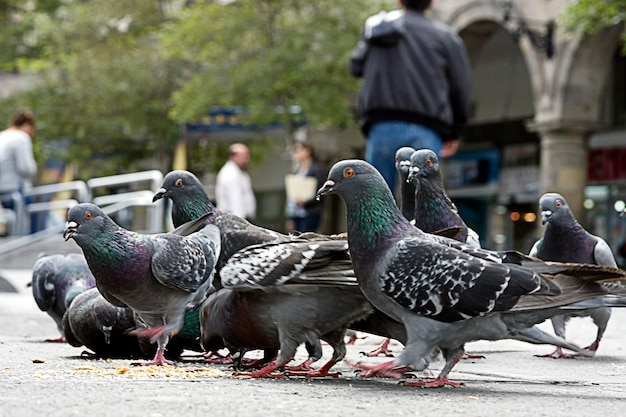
(157, 276)
(444, 292)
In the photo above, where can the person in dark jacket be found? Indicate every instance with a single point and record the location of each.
(305, 215)
(416, 85)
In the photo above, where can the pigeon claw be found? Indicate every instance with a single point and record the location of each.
(434, 383)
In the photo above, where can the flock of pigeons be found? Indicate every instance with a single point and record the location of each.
(416, 274)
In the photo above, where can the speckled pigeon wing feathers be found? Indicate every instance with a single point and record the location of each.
(449, 285)
(276, 264)
(185, 263)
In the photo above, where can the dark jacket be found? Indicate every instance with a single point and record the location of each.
(423, 78)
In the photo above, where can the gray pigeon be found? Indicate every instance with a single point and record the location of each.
(434, 210)
(284, 318)
(565, 240)
(156, 276)
(446, 293)
(93, 322)
(407, 188)
(190, 201)
(56, 280)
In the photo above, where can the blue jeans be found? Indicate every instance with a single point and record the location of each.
(385, 138)
(306, 224)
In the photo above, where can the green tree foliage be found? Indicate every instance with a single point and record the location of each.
(591, 16)
(268, 53)
(115, 78)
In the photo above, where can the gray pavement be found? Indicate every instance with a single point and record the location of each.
(38, 378)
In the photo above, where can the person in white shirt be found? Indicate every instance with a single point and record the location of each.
(233, 189)
(17, 163)
(17, 166)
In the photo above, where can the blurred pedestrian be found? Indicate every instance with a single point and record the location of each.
(233, 188)
(416, 85)
(17, 161)
(304, 212)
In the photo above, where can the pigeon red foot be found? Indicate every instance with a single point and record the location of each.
(558, 352)
(384, 370)
(60, 339)
(323, 372)
(472, 356)
(154, 334)
(265, 372)
(303, 367)
(382, 349)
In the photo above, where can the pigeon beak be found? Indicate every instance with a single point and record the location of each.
(159, 194)
(413, 172)
(70, 229)
(545, 216)
(327, 188)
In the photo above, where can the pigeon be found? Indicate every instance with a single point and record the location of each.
(156, 276)
(284, 317)
(446, 293)
(56, 280)
(190, 199)
(407, 207)
(93, 322)
(565, 240)
(407, 188)
(434, 210)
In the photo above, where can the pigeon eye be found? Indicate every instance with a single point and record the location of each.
(348, 172)
(429, 162)
(558, 204)
(179, 183)
(88, 216)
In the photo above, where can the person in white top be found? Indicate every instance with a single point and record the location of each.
(17, 167)
(17, 163)
(233, 189)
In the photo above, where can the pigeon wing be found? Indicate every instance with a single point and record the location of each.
(446, 284)
(183, 263)
(603, 254)
(276, 264)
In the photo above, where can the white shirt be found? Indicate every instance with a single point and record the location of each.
(17, 164)
(233, 191)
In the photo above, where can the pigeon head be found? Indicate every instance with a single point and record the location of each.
(370, 207)
(85, 221)
(424, 163)
(188, 195)
(352, 179)
(403, 161)
(177, 184)
(105, 318)
(554, 208)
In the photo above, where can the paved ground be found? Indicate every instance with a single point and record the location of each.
(38, 378)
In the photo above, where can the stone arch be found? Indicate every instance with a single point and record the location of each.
(582, 74)
(480, 23)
